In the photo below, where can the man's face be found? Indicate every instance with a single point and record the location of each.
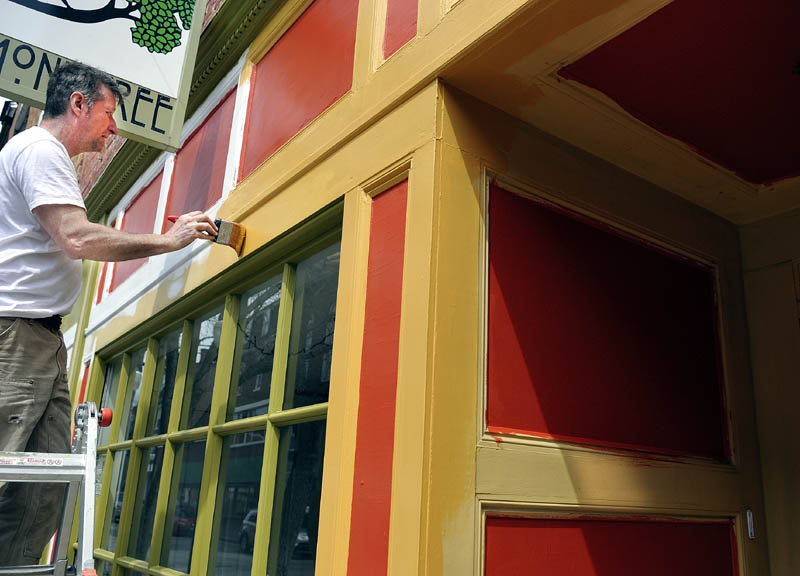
(99, 122)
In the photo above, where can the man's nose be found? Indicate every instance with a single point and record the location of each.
(113, 126)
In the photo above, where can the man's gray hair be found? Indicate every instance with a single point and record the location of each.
(76, 77)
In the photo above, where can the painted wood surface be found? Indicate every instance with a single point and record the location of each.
(199, 170)
(597, 338)
(372, 486)
(307, 70)
(606, 547)
(139, 218)
(693, 67)
(401, 24)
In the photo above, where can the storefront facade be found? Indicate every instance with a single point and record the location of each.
(474, 330)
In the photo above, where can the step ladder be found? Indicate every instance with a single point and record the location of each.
(77, 470)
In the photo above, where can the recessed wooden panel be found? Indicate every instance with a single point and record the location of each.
(609, 547)
(307, 70)
(720, 75)
(598, 338)
(199, 171)
(139, 218)
(372, 475)
(401, 24)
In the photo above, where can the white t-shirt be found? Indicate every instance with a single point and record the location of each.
(37, 279)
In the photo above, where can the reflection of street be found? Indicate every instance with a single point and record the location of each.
(231, 560)
(180, 552)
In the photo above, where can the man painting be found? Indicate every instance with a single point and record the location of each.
(44, 234)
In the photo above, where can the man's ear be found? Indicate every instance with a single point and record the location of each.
(77, 103)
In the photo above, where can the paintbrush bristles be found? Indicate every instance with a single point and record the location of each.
(230, 234)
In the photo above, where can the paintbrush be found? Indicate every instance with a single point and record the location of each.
(228, 233)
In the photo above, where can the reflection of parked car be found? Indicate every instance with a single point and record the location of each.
(302, 549)
(247, 534)
(183, 521)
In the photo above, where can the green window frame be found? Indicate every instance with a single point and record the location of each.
(129, 369)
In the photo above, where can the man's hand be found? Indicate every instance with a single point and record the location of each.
(81, 239)
(192, 226)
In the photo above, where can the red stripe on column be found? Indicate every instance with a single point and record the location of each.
(372, 482)
(84, 381)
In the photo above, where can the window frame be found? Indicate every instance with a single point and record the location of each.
(280, 257)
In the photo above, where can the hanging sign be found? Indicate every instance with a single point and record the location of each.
(148, 45)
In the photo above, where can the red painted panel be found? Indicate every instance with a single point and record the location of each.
(401, 24)
(718, 74)
(598, 338)
(372, 485)
(84, 381)
(102, 284)
(609, 547)
(139, 218)
(307, 70)
(200, 165)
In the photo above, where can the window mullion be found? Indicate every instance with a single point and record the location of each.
(101, 503)
(219, 403)
(119, 402)
(94, 393)
(142, 413)
(165, 482)
(181, 376)
(272, 433)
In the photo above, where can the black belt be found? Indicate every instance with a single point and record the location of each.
(52, 323)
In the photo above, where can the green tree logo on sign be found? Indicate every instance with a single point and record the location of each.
(155, 27)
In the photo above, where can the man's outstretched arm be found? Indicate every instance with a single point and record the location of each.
(81, 239)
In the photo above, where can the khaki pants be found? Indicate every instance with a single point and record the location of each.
(34, 417)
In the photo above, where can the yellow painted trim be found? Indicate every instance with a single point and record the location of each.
(340, 435)
(122, 385)
(242, 425)
(132, 563)
(164, 571)
(219, 404)
(181, 374)
(278, 24)
(279, 496)
(272, 434)
(94, 389)
(300, 415)
(76, 359)
(413, 373)
(364, 63)
(151, 441)
(127, 517)
(117, 446)
(429, 14)
(448, 537)
(101, 502)
(288, 339)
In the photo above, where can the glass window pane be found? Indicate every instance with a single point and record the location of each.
(114, 509)
(132, 391)
(176, 549)
(104, 568)
(202, 368)
(166, 368)
(256, 329)
(295, 515)
(144, 507)
(237, 502)
(110, 387)
(311, 342)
